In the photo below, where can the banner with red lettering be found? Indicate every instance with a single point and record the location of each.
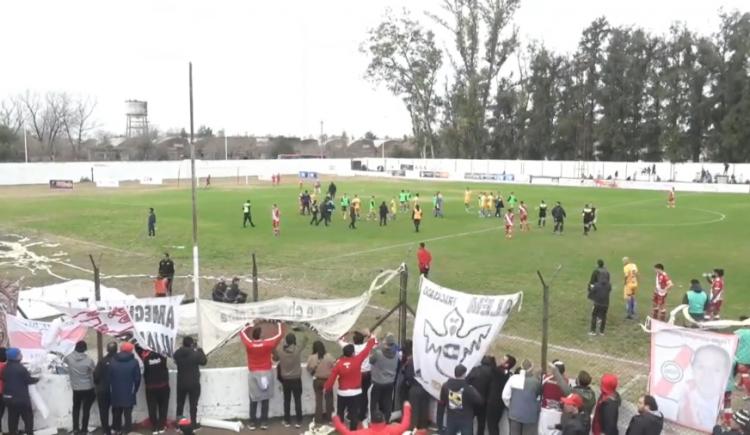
(453, 328)
(36, 338)
(152, 321)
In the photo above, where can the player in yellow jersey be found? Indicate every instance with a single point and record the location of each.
(488, 201)
(630, 272)
(480, 200)
(356, 203)
(467, 200)
(393, 209)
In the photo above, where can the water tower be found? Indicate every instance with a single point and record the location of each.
(136, 113)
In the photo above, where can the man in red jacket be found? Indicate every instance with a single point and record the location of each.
(348, 371)
(424, 258)
(378, 425)
(261, 378)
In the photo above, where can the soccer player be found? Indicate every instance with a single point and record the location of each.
(593, 222)
(663, 285)
(402, 200)
(558, 215)
(542, 214)
(371, 214)
(630, 272)
(416, 216)
(357, 203)
(671, 198)
(352, 217)
(509, 224)
(481, 199)
(512, 200)
(499, 205)
(489, 201)
(151, 223)
(247, 216)
(344, 206)
(524, 215)
(716, 279)
(276, 220)
(314, 211)
(467, 200)
(588, 219)
(415, 201)
(393, 209)
(424, 258)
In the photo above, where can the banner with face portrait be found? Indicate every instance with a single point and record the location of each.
(453, 328)
(690, 371)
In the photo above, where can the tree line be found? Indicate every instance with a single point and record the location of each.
(623, 94)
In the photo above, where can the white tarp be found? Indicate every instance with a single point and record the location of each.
(35, 302)
(36, 339)
(690, 370)
(454, 328)
(331, 318)
(153, 321)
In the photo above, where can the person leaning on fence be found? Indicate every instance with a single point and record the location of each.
(81, 372)
(348, 373)
(320, 365)
(649, 420)
(550, 413)
(521, 396)
(101, 382)
(460, 399)
(16, 381)
(582, 388)
(384, 362)
(358, 340)
(124, 382)
(494, 404)
(156, 381)
(188, 359)
(599, 289)
(290, 373)
(261, 377)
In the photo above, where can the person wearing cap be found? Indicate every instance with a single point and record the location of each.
(521, 397)
(649, 420)
(101, 382)
(81, 373)
(124, 382)
(156, 381)
(551, 407)
(575, 420)
(480, 377)
(16, 380)
(495, 405)
(460, 399)
(739, 425)
(607, 409)
(290, 372)
(259, 352)
(189, 358)
(582, 387)
(384, 362)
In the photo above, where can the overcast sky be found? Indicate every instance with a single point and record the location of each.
(261, 67)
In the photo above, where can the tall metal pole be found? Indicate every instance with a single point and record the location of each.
(194, 185)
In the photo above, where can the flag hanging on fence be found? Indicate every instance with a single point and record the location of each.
(454, 328)
(36, 338)
(154, 322)
(690, 371)
(9, 305)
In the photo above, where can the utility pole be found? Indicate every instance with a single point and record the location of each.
(194, 185)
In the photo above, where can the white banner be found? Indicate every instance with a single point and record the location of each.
(36, 339)
(151, 180)
(690, 370)
(153, 321)
(107, 182)
(454, 328)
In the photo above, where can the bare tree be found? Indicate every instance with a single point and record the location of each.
(77, 122)
(45, 117)
(11, 114)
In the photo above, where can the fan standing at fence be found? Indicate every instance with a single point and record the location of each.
(290, 373)
(188, 359)
(261, 376)
(81, 373)
(156, 380)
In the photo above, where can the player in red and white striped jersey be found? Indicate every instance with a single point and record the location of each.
(716, 279)
(509, 216)
(663, 285)
(276, 219)
(523, 211)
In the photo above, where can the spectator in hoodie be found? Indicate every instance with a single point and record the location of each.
(607, 410)
(521, 397)
(461, 399)
(320, 365)
(188, 360)
(378, 425)
(480, 377)
(3, 361)
(384, 363)
(156, 380)
(582, 388)
(348, 372)
(16, 381)
(599, 289)
(495, 405)
(124, 381)
(81, 373)
(740, 424)
(260, 379)
(290, 372)
(648, 421)
(575, 421)
(358, 339)
(101, 381)
(551, 407)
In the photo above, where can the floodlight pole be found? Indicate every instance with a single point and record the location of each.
(194, 183)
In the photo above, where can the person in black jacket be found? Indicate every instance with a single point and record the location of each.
(599, 289)
(414, 392)
(188, 359)
(495, 405)
(16, 381)
(461, 399)
(101, 384)
(383, 214)
(648, 421)
(558, 215)
(166, 270)
(575, 422)
(124, 382)
(480, 377)
(314, 210)
(156, 380)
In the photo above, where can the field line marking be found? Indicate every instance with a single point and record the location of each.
(630, 383)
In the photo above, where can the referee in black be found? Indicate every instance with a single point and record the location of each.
(588, 219)
(247, 215)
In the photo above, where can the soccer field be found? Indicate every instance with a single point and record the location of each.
(470, 253)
